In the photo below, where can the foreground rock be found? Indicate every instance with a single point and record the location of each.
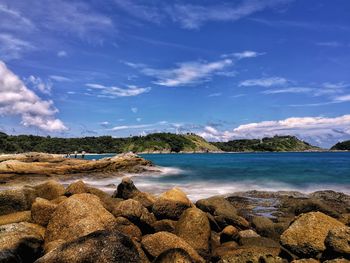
(96, 247)
(338, 242)
(306, 235)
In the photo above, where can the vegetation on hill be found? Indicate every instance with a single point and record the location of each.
(157, 142)
(341, 146)
(273, 144)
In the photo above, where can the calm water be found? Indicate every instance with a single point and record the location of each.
(202, 175)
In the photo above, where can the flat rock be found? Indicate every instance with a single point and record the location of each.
(97, 247)
(306, 235)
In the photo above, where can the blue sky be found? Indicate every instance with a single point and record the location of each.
(221, 69)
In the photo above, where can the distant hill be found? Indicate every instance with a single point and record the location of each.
(273, 144)
(341, 146)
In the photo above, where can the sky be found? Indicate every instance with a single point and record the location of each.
(222, 69)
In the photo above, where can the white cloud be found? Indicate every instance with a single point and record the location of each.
(17, 99)
(329, 44)
(134, 109)
(138, 119)
(62, 54)
(321, 130)
(343, 98)
(264, 82)
(114, 92)
(39, 84)
(140, 126)
(217, 94)
(12, 47)
(105, 124)
(288, 90)
(60, 78)
(243, 54)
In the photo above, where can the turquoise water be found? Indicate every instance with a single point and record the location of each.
(203, 175)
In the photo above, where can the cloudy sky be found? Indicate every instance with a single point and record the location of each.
(222, 69)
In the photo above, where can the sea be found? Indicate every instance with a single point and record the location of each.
(208, 174)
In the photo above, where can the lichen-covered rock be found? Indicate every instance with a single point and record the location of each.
(49, 190)
(171, 204)
(97, 247)
(306, 235)
(17, 217)
(77, 187)
(165, 225)
(15, 200)
(136, 213)
(20, 242)
(338, 242)
(193, 226)
(42, 211)
(223, 211)
(175, 255)
(157, 243)
(77, 216)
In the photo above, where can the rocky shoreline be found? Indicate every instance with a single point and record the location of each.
(79, 223)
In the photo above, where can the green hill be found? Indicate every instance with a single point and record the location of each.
(273, 144)
(341, 146)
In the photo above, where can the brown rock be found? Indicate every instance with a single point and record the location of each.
(228, 234)
(305, 260)
(77, 216)
(337, 260)
(20, 242)
(338, 242)
(124, 226)
(126, 189)
(17, 217)
(249, 254)
(246, 234)
(49, 190)
(16, 200)
(193, 226)
(97, 247)
(42, 211)
(78, 187)
(171, 204)
(58, 200)
(175, 255)
(165, 225)
(265, 227)
(306, 235)
(223, 249)
(160, 242)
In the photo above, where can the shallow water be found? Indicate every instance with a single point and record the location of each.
(203, 175)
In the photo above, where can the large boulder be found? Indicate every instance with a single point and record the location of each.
(20, 242)
(171, 204)
(136, 213)
(42, 211)
(77, 216)
(338, 242)
(306, 235)
(97, 247)
(193, 226)
(157, 243)
(126, 189)
(223, 211)
(175, 255)
(124, 226)
(17, 217)
(265, 227)
(49, 190)
(15, 200)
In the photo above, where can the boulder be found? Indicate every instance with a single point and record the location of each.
(223, 211)
(165, 225)
(338, 242)
(247, 234)
(20, 242)
(160, 242)
(306, 235)
(124, 226)
(249, 254)
(16, 200)
(193, 227)
(337, 260)
(171, 204)
(49, 190)
(314, 205)
(146, 199)
(136, 213)
(17, 217)
(77, 216)
(77, 187)
(259, 242)
(97, 247)
(305, 260)
(174, 255)
(223, 249)
(265, 227)
(42, 211)
(228, 234)
(126, 189)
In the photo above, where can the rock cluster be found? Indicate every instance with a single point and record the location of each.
(49, 223)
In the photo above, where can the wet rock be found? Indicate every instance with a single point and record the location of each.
(338, 242)
(97, 247)
(175, 255)
(124, 226)
(17, 217)
(16, 200)
(229, 233)
(42, 211)
(126, 189)
(259, 242)
(77, 216)
(306, 235)
(171, 204)
(336, 200)
(165, 225)
(49, 190)
(312, 205)
(265, 227)
(213, 224)
(136, 213)
(20, 242)
(193, 226)
(160, 242)
(223, 211)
